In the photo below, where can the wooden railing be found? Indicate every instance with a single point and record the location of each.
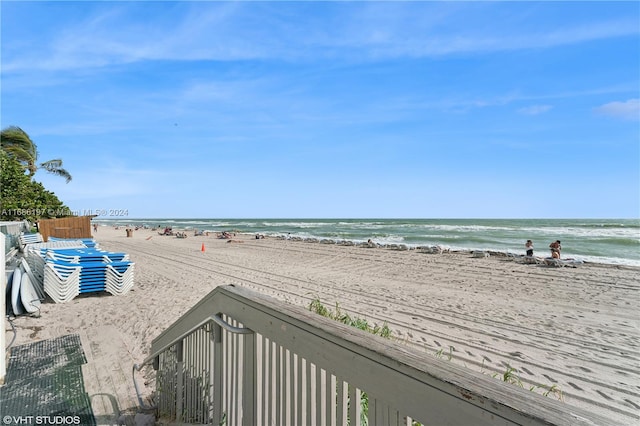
(241, 358)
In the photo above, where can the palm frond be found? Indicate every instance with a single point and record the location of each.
(17, 144)
(15, 139)
(51, 165)
(55, 167)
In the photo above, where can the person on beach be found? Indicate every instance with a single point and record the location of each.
(555, 249)
(529, 247)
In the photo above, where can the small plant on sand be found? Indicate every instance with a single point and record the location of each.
(554, 390)
(440, 353)
(510, 376)
(361, 323)
(317, 307)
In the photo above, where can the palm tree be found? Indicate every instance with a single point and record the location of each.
(17, 144)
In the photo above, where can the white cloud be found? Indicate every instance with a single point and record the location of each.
(227, 32)
(535, 109)
(628, 110)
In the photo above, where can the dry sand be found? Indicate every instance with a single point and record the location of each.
(578, 329)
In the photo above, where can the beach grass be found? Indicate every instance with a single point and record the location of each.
(510, 375)
(360, 323)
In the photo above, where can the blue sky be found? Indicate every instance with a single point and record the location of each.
(331, 109)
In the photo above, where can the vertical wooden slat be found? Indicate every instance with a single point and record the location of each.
(200, 378)
(321, 398)
(266, 381)
(259, 342)
(188, 387)
(205, 375)
(249, 383)
(180, 380)
(211, 375)
(226, 372)
(239, 361)
(332, 398)
(218, 379)
(299, 391)
(190, 391)
(289, 387)
(310, 395)
(341, 406)
(396, 417)
(376, 411)
(192, 377)
(235, 375)
(273, 388)
(185, 380)
(229, 365)
(197, 403)
(354, 405)
(279, 385)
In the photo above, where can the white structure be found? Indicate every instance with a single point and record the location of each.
(3, 359)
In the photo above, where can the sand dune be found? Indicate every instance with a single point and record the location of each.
(577, 329)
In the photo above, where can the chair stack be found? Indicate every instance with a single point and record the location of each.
(87, 242)
(79, 255)
(36, 253)
(26, 239)
(61, 281)
(68, 272)
(119, 277)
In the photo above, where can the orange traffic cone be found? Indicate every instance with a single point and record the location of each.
(202, 249)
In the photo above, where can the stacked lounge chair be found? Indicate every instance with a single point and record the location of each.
(35, 255)
(61, 282)
(67, 272)
(26, 239)
(88, 242)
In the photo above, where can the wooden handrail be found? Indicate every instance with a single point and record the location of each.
(425, 388)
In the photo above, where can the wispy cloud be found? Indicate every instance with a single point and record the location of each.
(535, 109)
(124, 33)
(627, 110)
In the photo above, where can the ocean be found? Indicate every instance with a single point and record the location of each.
(614, 241)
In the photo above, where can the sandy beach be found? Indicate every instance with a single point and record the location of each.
(575, 328)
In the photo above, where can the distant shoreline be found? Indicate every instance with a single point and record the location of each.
(610, 241)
